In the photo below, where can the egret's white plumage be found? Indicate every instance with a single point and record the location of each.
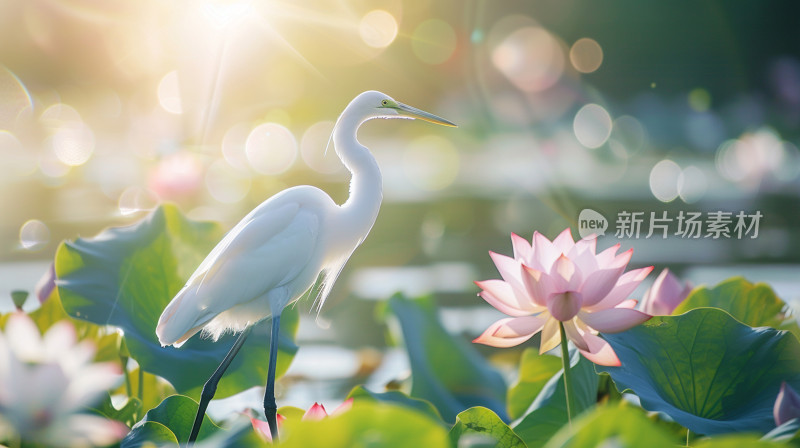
(277, 252)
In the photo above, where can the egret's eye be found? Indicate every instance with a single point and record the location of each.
(385, 103)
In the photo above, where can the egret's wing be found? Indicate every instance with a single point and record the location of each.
(266, 250)
(261, 224)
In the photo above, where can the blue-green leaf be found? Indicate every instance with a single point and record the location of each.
(446, 370)
(706, 370)
(548, 413)
(486, 426)
(149, 434)
(177, 413)
(367, 424)
(620, 426)
(535, 371)
(755, 305)
(126, 276)
(360, 393)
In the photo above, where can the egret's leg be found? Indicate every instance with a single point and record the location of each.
(210, 388)
(270, 407)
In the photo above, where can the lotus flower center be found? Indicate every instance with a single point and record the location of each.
(565, 305)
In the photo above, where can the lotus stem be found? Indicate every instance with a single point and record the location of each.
(567, 377)
(141, 383)
(128, 388)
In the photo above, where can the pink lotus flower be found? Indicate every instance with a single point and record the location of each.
(315, 412)
(666, 293)
(562, 281)
(787, 405)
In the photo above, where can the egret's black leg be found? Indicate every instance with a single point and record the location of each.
(210, 388)
(270, 407)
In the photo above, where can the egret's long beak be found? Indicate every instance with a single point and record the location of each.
(413, 112)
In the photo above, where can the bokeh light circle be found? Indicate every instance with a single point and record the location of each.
(531, 58)
(59, 114)
(692, 184)
(378, 28)
(33, 234)
(233, 146)
(271, 149)
(225, 183)
(586, 55)
(630, 133)
(169, 93)
(664, 180)
(316, 148)
(73, 143)
(136, 199)
(434, 41)
(699, 99)
(592, 126)
(51, 166)
(431, 163)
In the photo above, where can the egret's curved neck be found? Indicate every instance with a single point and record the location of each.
(366, 183)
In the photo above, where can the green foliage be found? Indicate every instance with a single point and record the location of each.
(240, 434)
(126, 276)
(534, 372)
(487, 426)
(154, 390)
(548, 412)
(19, 297)
(737, 441)
(367, 424)
(149, 434)
(360, 393)
(706, 370)
(755, 305)
(291, 412)
(447, 371)
(128, 413)
(620, 426)
(789, 431)
(176, 413)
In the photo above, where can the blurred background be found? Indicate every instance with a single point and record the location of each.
(108, 108)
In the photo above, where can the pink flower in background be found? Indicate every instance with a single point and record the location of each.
(315, 412)
(562, 281)
(262, 428)
(666, 293)
(787, 405)
(176, 175)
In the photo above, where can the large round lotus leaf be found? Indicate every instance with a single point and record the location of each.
(485, 427)
(706, 370)
(446, 370)
(125, 277)
(367, 424)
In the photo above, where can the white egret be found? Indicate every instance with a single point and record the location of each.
(278, 251)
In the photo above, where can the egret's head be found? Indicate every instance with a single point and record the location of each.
(379, 105)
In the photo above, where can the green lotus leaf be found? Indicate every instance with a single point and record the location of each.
(125, 277)
(446, 370)
(755, 305)
(535, 371)
(486, 427)
(548, 412)
(620, 426)
(706, 370)
(367, 424)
